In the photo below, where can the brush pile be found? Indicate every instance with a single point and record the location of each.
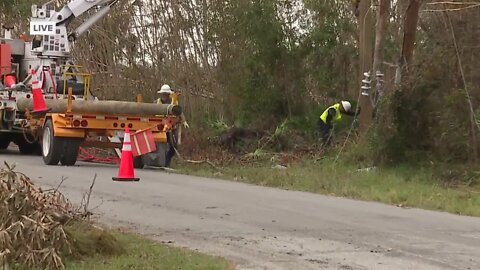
(32, 223)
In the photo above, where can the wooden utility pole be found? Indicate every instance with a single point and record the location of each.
(365, 23)
(380, 28)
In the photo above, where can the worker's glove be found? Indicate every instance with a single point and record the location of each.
(185, 124)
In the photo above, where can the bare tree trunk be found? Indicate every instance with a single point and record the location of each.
(382, 18)
(408, 46)
(366, 35)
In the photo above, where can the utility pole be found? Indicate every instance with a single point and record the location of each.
(383, 11)
(365, 23)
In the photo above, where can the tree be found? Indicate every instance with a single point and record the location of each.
(408, 45)
(365, 47)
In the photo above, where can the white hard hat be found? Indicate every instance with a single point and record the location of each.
(346, 105)
(165, 89)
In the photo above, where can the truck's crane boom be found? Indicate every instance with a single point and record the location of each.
(72, 10)
(58, 44)
(51, 49)
(48, 51)
(67, 125)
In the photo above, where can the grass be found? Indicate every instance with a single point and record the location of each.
(100, 249)
(139, 253)
(402, 186)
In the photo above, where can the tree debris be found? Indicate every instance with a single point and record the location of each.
(32, 222)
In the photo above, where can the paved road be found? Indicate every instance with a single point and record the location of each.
(264, 228)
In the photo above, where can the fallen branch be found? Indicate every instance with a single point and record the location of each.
(60, 184)
(201, 162)
(196, 161)
(85, 207)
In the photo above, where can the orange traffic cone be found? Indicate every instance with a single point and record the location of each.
(39, 105)
(125, 172)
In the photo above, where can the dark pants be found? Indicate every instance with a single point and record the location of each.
(172, 144)
(324, 132)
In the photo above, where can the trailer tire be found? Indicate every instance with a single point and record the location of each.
(52, 147)
(138, 162)
(157, 158)
(70, 153)
(162, 151)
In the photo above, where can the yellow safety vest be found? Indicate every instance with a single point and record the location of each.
(173, 98)
(338, 114)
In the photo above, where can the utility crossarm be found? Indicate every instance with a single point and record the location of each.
(72, 10)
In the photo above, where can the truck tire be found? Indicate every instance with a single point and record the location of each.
(52, 147)
(5, 140)
(27, 144)
(138, 162)
(27, 148)
(70, 153)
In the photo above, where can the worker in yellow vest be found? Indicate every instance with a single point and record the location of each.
(167, 96)
(334, 114)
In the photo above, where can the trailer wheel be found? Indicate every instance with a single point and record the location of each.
(52, 147)
(161, 150)
(70, 154)
(138, 162)
(156, 159)
(27, 144)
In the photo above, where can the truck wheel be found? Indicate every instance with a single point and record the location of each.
(138, 162)
(70, 154)
(27, 145)
(29, 148)
(52, 147)
(4, 141)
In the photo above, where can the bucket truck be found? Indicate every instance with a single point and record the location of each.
(49, 50)
(48, 53)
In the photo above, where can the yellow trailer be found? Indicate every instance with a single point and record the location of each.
(64, 128)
